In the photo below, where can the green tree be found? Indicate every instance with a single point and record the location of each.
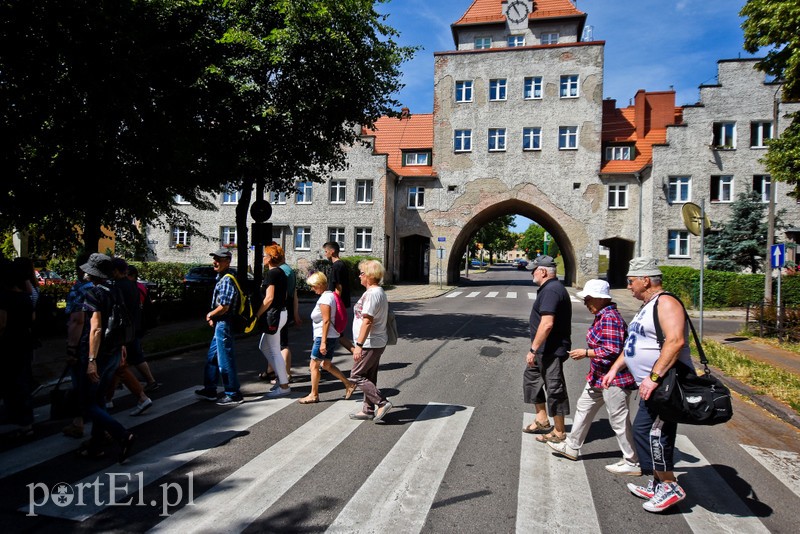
(740, 240)
(495, 236)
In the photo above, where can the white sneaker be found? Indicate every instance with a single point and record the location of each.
(279, 392)
(142, 406)
(564, 450)
(624, 467)
(667, 494)
(644, 492)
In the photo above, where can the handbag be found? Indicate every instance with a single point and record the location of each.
(269, 321)
(686, 397)
(63, 402)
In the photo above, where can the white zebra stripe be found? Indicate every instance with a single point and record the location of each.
(784, 465)
(511, 295)
(453, 294)
(492, 294)
(473, 294)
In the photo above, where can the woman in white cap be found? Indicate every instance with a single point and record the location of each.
(605, 340)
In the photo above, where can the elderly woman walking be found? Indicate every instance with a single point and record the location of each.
(370, 338)
(604, 340)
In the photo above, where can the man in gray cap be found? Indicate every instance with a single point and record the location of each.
(221, 362)
(648, 357)
(550, 331)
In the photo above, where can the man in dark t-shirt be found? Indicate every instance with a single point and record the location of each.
(339, 281)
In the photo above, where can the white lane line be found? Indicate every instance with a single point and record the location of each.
(453, 295)
(511, 295)
(155, 462)
(784, 465)
(547, 484)
(473, 294)
(727, 512)
(492, 294)
(531, 296)
(246, 494)
(397, 496)
(39, 451)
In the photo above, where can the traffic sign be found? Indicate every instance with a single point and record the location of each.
(778, 256)
(441, 240)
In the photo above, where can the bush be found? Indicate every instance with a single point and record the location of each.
(725, 289)
(168, 277)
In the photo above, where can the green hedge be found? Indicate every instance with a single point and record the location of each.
(725, 289)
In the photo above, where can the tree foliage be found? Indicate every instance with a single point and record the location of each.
(741, 239)
(532, 242)
(495, 236)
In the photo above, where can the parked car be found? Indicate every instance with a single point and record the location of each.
(477, 263)
(206, 277)
(46, 277)
(522, 264)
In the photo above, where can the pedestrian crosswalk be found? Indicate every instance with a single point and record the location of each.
(529, 295)
(404, 483)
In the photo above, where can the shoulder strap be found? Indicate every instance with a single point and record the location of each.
(239, 289)
(660, 333)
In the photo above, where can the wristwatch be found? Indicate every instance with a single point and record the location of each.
(91, 359)
(655, 377)
(359, 344)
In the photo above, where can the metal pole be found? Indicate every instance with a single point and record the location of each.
(771, 211)
(780, 307)
(702, 258)
(258, 248)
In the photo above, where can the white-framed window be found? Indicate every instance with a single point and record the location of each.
(180, 237)
(532, 138)
(180, 200)
(724, 135)
(760, 132)
(568, 138)
(302, 238)
(617, 196)
(678, 246)
(277, 198)
(516, 40)
(549, 38)
(416, 158)
(464, 91)
(363, 239)
(618, 153)
(305, 193)
(416, 197)
(497, 89)
(364, 191)
(569, 86)
(230, 196)
(228, 235)
(482, 43)
(680, 189)
(462, 141)
(722, 189)
(761, 185)
(532, 88)
(497, 139)
(336, 233)
(279, 234)
(338, 191)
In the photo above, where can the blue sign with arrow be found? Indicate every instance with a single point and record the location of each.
(778, 256)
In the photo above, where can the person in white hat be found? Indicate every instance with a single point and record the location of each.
(604, 342)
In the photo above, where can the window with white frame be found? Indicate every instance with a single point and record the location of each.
(416, 158)
(230, 196)
(364, 191)
(416, 197)
(481, 43)
(180, 237)
(363, 239)
(516, 40)
(497, 139)
(569, 86)
(180, 200)
(618, 153)
(338, 192)
(761, 185)
(532, 138)
(277, 198)
(568, 138)
(617, 196)
(336, 234)
(228, 235)
(305, 192)
(302, 238)
(549, 38)
(724, 135)
(497, 89)
(722, 189)
(532, 88)
(679, 189)
(462, 141)
(464, 91)
(678, 246)
(760, 132)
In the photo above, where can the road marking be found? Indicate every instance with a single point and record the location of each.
(398, 495)
(531, 296)
(473, 294)
(726, 512)
(155, 462)
(511, 295)
(453, 295)
(547, 483)
(247, 493)
(784, 465)
(492, 294)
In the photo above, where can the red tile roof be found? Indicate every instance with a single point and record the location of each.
(410, 133)
(491, 11)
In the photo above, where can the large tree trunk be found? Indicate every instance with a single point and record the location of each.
(242, 234)
(91, 232)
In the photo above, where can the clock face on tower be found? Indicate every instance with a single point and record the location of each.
(517, 11)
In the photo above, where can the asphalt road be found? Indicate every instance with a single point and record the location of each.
(450, 457)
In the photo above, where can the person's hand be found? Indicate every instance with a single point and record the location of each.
(577, 354)
(209, 320)
(91, 372)
(357, 353)
(530, 359)
(646, 388)
(323, 348)
(607, 379)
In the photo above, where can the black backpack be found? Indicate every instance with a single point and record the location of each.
(120, 329)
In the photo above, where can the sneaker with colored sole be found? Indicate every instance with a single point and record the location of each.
(667, 495)
(624, 467)
(230, 400)
(643, 492)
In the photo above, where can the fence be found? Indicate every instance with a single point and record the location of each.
(762, 318)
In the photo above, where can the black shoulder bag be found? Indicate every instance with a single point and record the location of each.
(684, 396)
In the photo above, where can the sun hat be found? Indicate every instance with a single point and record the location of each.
(595, 288)
(643, 266)
(99, 266)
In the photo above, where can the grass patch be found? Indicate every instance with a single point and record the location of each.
(174, 340)
(763, 378)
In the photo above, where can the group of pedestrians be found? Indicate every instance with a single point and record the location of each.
(622, 359)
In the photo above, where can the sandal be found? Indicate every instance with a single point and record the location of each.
(309, 400)
(266, 376)
(538, 428)
(348, 391)
(551, 437)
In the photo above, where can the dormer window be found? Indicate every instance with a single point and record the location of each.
(416, 158)
(616, 153)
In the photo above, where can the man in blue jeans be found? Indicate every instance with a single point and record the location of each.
(221, 362)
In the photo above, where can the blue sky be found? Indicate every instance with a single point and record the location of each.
(650, 44)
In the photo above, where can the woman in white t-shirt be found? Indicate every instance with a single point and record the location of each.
(325, 338)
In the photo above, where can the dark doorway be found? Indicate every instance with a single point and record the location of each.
(620, 254)
(414, 259)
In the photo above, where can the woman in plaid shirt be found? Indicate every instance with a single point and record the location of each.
(605, 340)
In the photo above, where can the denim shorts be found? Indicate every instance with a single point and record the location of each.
(330, 345)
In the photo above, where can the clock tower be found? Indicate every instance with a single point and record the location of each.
(516, 13)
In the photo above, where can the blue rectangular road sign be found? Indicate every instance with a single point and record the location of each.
(442, 240)
(778, 256)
